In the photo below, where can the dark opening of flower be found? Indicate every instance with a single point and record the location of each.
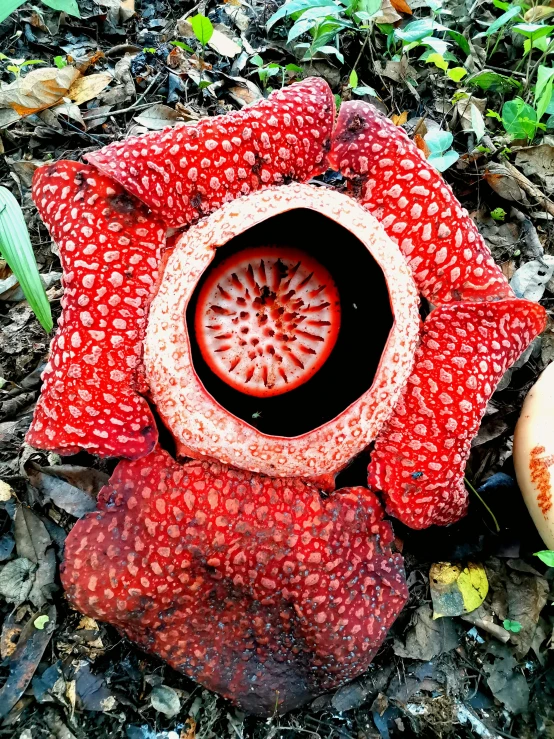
(267, 318)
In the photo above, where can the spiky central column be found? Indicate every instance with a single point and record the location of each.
(266, 319)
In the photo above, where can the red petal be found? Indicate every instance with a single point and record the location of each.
(419, 458)
(252, 586)
(109, 248)
(417, 208)
(185, 172)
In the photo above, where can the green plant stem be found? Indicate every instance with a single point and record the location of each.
(543, 56)
(361, 50)
(470, 486)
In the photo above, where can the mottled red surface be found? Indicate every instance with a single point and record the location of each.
(185, 172)
(417, 208)
(267, 319)
(109, 249)
(420, 457)
(255, 587)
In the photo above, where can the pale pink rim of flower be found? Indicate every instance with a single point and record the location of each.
(204, 428)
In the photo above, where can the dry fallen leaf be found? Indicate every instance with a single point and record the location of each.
(400, 120)
(87, 88)
(456, 589)
(538, 161)
(219, 42)
(401, 6)
(538, 13)
(39, 89)
(388, 13)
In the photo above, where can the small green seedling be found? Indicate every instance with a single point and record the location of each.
(40, 622)
(499, 214)
(513, 626)
(439, 143)
(202, 27)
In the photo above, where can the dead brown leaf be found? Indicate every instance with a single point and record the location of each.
(388, 13)
(189, 729)
(39, 89)
(87, 88)
(401, 6)
(538, 13)
(419, 141)
(400, 120)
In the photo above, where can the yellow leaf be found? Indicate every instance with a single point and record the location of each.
(538, 13)
(400, 120)
(456, 589)
(87, 88)
(438, 61)
(38, 90)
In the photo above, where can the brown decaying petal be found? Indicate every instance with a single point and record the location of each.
(417, 208)
(254, 587)
(185, 172)
(419, 458)
(200, 425)
(109, 247)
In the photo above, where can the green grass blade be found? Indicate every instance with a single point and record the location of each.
(16, 248)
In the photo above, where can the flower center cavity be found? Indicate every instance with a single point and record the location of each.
(267, 319)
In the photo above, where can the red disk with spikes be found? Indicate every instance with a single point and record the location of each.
(266, 320)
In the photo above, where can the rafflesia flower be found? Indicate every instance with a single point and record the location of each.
(272, 327)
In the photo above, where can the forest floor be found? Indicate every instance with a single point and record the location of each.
(488, 673)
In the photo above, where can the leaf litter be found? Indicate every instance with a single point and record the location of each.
(116, 71)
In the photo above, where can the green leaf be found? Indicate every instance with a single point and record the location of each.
(498, 214)
(532, 30)
(513, 626)
(438, 60)
(417, 30)
(493, 81)
(460, 40)
(353, 79)
(546, 556)
(365, 91)
(456, 73)
(441, 162)
(67, 6)
(543, 89)
(8, 6)
(40, 622)
(438, 141)
(60, 62)
(256, 60)
(180, 45)
(501, 21)
(519, 119)
(202, 28)
(16, 248)
(295, 6)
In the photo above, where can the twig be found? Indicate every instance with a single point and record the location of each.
(117, 112)
(361, 51)
(529, 188)
(470, 486)
(530, 234)
(134, 106)
(510, 72)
